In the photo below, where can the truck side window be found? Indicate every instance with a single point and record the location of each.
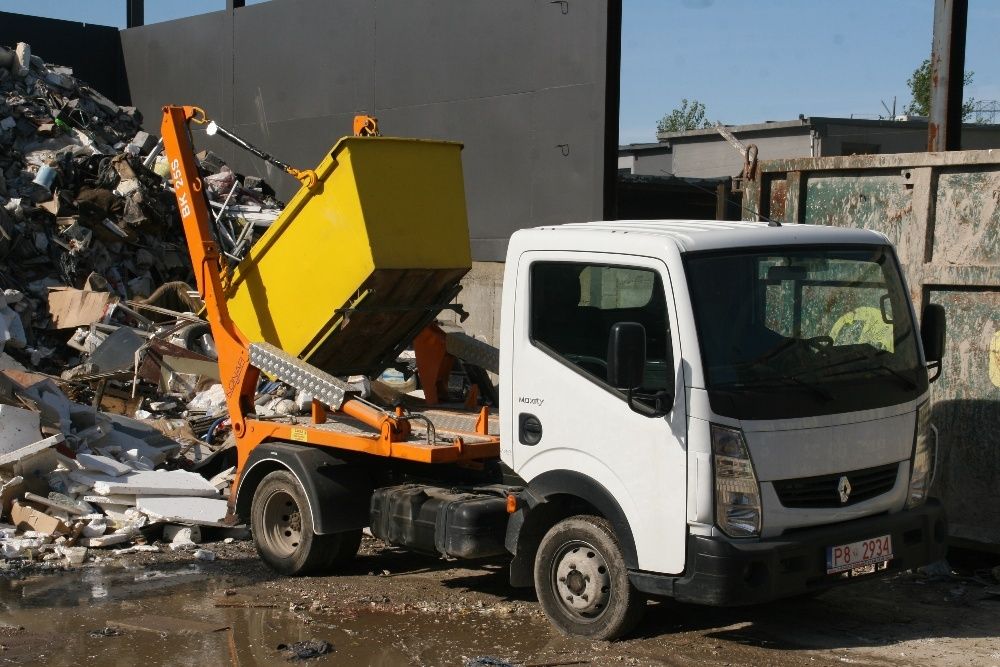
(574, 305)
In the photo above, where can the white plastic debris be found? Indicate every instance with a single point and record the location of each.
(18, 547)
(95, 527)
(176, 534)
(211, 401)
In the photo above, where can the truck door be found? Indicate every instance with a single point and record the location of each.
(566, 416)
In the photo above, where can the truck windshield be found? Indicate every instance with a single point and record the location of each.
(802, 332)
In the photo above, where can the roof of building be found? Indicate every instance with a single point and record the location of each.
(695, 235)
(656, 146)
(807, 122)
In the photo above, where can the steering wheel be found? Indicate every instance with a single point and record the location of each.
(819, 343)
(593, 365)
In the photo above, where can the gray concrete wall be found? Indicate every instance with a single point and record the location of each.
(713, 157)
(523, 84)
(654, 163)
(480, 296)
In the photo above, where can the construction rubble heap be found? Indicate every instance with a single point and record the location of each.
(113, 428)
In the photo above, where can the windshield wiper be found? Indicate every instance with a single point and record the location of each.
(906, 382)
(777, 380)
(811, 386)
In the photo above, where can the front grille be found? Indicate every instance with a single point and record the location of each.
(823, 491)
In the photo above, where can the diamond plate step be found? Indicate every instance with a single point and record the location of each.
(476, 352)
(298, 374)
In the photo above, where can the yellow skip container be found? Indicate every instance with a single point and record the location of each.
(356, 266)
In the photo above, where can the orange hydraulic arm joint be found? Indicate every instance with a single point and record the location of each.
(239, 379)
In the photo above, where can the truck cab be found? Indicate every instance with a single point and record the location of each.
(723, 413)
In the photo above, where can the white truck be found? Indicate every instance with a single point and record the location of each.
(723, 413)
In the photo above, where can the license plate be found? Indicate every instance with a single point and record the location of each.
(858, 555)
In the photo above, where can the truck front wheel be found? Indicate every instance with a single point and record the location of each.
(283, 530)
(582, 582)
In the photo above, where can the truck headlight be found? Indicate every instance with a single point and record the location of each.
(923, 461)
(737, 495)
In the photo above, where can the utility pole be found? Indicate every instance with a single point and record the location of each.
(944, 132)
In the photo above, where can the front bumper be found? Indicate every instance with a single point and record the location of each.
(723, 572)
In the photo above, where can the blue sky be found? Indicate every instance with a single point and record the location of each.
(746, 61)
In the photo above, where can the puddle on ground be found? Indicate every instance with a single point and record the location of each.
(60, 610)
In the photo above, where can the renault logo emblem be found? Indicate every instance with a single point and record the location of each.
(844, 488)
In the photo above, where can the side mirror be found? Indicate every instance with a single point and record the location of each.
(626, 355)
(932, 332)
(932, 336)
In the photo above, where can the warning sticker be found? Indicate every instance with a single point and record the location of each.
(300, 435)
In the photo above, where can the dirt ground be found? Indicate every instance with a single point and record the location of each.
(396, 608)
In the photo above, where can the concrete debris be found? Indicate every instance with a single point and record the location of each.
(61, 503)
(73, 555)
(204, 554)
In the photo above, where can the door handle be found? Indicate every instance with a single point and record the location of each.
(529, 429)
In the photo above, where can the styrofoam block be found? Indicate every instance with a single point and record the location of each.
(124, 442)
(104, 540)
(200, 511)
(29, 450)
(157, 483)
(18, 427)
(90, 478)
(103, 464)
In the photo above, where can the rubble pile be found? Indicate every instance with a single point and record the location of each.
(73, 478)
(90, 238)
(113, 428)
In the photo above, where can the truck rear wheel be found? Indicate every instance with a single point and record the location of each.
(283, 530)
(582, 582)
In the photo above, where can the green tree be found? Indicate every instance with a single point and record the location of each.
(920, 92)
(690, 115)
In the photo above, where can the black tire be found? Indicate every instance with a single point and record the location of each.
(582, 582)
(282, 529)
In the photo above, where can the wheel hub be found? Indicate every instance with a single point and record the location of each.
(282, 523)
(582, 580)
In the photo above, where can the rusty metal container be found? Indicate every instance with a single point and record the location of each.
(942, 212)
